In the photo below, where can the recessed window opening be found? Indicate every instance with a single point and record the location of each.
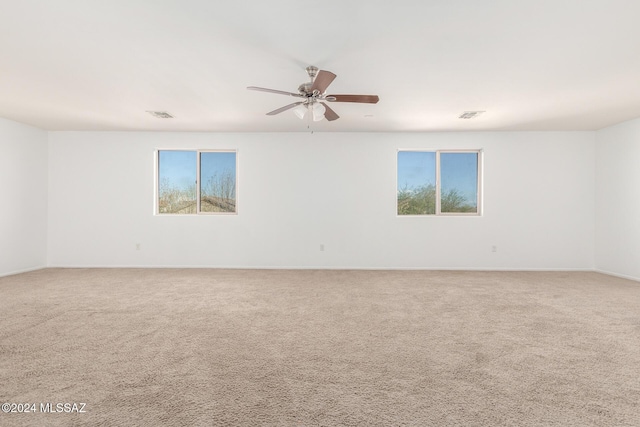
(191, 182)
(441, 182)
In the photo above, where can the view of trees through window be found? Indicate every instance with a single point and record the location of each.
(218, 178)
(181, 192)
(421, 193)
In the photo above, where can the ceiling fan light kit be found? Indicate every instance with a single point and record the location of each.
(317, 110)
(300, 111)
(313, 94)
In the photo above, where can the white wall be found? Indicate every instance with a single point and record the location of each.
(297, 191)
(618, 200)
(23, 197)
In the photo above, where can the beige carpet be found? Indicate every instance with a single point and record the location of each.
(198, 347)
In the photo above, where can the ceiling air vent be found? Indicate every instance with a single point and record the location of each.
(470, 114)
(160, 114)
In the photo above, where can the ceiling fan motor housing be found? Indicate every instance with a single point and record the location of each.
(305, 88)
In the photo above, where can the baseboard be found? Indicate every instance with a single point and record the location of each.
(622, 276)
(26, 270)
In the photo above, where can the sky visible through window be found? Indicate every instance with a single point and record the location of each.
(457, 171)
(416, 169)
(179, 167)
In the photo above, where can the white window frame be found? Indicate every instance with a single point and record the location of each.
(479, 195)
(198, 189)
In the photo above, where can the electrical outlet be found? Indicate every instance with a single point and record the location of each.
(321, 247)
(137, 246)
(494, 248)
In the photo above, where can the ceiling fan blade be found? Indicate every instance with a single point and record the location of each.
(369, 99)
(285, 108)
(281, 92)
(329, 114)
(322, 81)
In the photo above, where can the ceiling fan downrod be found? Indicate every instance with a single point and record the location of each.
(312, 71)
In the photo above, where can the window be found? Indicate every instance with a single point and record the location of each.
(196, 182)
(439, 182)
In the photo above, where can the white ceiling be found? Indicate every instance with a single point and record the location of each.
(534, 65)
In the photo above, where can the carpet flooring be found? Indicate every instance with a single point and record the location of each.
(203, 347)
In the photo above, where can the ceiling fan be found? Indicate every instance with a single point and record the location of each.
(313, 94)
